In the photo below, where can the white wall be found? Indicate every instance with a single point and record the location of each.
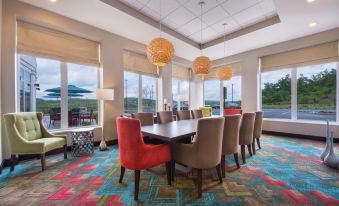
(0, 83)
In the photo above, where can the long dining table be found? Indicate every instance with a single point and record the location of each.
(171, 132)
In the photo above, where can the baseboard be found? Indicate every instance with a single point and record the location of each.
(300, 136)
(7, 162)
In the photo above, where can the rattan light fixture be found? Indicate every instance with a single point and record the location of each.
(202, 64)
(160, 51)
(225, 72)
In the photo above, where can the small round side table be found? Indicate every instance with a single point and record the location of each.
(82, 142)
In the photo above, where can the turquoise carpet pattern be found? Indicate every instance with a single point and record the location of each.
(285, 171)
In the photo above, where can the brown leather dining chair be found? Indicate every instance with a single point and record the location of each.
(205, 151)
(246, 133)
(165, 117)
(257, 130)
(146, 118)
(183, 114)
(230, 139)
(197, 114)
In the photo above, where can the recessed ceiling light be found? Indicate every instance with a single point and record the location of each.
(313, 24)
(52, 0)
(310, 1)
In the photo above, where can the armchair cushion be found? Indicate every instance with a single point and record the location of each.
(28, 125)
(50, 143)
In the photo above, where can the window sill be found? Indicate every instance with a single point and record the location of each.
(301, 121)
(74, 128)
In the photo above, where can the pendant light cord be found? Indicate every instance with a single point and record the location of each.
(201, 3)
(225, 42)
(160, 20)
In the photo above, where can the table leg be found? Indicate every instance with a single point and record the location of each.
(172, 162)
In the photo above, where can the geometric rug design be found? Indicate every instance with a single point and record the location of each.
(285, 171)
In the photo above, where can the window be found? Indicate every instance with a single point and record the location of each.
(301, 93)
(232, 92)
(41, 90)
(149, 94)
(316, 93)
(143, 99)
(180, 95)
(276, 94)
(131, 84)
(212, 95)
(82, 102)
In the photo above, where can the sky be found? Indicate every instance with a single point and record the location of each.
(49, 76)
(212, 89)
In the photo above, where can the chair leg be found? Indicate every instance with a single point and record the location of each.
(13, 157)
(258, 142)
(218, 168)
(168, 171)
(253, 146)
(199, 183)
(236, 159)
(243, 154)
(43, 161)
(223, 157)
(249, 147)
(65, 151)
(122, 173)
(173, 170)
(136, 184)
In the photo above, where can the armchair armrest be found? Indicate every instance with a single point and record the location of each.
(47, 134)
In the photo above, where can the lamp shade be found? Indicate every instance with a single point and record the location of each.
(202, 65)
(160, 52)
(105, 94)
(224, 73)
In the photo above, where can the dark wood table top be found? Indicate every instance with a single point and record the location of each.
(172, 131)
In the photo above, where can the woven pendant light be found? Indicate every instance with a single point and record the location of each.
(202, 64)
(225, 72)
(160, 51)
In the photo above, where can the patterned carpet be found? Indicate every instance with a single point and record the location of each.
(284, 172)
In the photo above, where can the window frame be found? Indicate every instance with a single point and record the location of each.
(294, 96)
(140, 75)
(64, 93)
(179, 93)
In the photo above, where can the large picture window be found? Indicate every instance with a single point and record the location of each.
(301, 93)
(64, 92)
(212, 95)
(232, 92)
(180, 95)
(140, 93)
(276, 94)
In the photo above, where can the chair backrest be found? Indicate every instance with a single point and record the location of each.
(130, 141)
(197, 114)
(231, 134)
(146, 118)
(183, 114)
(258, 125)
(208, 142)
(206, 111)
(165, 117)
(246, 128)
(28, 125)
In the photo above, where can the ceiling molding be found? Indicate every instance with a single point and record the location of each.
(148, 20)
(260, 25)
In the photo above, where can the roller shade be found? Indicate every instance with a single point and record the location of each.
(236, 69)
(316, 54)
(181, 72)
(45, 42)
(139, 63)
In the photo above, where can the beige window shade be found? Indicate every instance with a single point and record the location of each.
(41, 41)
(236, 69)
(139, 63)
(316, 54)
(181, 72)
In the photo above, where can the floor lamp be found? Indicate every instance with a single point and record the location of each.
(104, 95)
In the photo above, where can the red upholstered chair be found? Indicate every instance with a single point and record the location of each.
(232, 111)
(136, 155)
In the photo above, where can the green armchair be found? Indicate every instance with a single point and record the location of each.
(206, 111)
(27, 135)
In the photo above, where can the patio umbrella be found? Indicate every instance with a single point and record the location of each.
(58, 95)
(71, 89)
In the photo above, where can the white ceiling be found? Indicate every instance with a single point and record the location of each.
(295, 16)
(183, 16)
